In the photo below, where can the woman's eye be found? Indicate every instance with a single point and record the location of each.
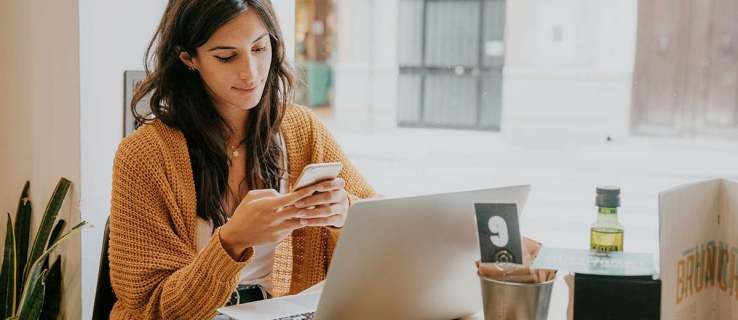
(225, 59)
(259, 49)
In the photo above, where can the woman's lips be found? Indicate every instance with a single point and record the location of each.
(245, 90)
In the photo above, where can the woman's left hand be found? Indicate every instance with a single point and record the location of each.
(327, 206)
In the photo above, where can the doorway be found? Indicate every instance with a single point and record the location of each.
(686, 70)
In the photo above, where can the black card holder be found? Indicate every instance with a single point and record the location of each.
(499, 232)
(616, 297)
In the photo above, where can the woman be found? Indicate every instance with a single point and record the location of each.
(196, 219)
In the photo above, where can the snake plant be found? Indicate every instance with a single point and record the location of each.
(30, 288)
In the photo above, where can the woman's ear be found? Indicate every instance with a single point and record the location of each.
(187, 59)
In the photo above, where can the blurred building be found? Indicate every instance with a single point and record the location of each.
(314, 46)
(538, 70)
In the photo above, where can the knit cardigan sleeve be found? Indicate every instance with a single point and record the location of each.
(155, 269)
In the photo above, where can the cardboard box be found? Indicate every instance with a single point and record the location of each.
(698, 228)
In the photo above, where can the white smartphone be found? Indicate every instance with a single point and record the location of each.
(317, 172)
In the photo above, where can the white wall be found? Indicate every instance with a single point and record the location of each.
(286, 14)
(352, 82)
(366, 65)
(39, 117)
(113, 38)
(573, 89)
(384, 62)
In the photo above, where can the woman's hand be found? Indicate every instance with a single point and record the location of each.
(263, 217)
(328, 206)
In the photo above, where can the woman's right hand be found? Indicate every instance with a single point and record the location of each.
(262, 217)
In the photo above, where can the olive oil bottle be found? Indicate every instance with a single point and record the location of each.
(606, 234)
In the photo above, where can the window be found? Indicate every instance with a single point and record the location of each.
(441, 95)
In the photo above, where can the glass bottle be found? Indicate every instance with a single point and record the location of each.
(606, 234)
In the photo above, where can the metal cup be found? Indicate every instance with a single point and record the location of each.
(515, 301)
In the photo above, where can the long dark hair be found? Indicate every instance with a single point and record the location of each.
(180, 99)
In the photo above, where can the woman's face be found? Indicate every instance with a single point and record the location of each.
(234, 62)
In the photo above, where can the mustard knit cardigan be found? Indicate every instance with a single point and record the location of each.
(155, 269)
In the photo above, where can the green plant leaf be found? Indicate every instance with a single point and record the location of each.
(22, 234)
(7, 273)
(55, 233)
(52, 211)
(30, 308)
(52, 298)
(36, 266)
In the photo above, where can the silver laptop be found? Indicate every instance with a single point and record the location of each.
(398, 258)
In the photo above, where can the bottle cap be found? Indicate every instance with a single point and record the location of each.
(608, 197)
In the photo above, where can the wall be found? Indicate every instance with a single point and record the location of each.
(15, 104)
(39, 116)
(286, 14)
(113, 38)
(577, 57)
(366, 65)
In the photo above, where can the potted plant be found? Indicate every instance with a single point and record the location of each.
(30, 288)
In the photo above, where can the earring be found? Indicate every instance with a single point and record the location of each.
(192, 68)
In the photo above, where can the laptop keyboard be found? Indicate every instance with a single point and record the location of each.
(302, 316)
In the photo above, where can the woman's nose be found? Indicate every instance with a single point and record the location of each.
(247, 70)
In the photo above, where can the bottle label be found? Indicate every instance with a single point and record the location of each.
(604, 241)
(605, 248)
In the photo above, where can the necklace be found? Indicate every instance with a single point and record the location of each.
(235, 153)
(234, 149)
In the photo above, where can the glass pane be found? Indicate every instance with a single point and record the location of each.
(452, 33)
(450, 100)
(411, 32)
(491, 107)
(408, 106)
(494, 33)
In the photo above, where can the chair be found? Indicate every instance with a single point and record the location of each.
(104, 296)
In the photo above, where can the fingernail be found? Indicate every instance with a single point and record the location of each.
(303, 222)
(300, 204)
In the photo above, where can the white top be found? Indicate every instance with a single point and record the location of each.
(259, 271)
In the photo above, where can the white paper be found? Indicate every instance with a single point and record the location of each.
(274, 308)
(318, 287)
(591, 262)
